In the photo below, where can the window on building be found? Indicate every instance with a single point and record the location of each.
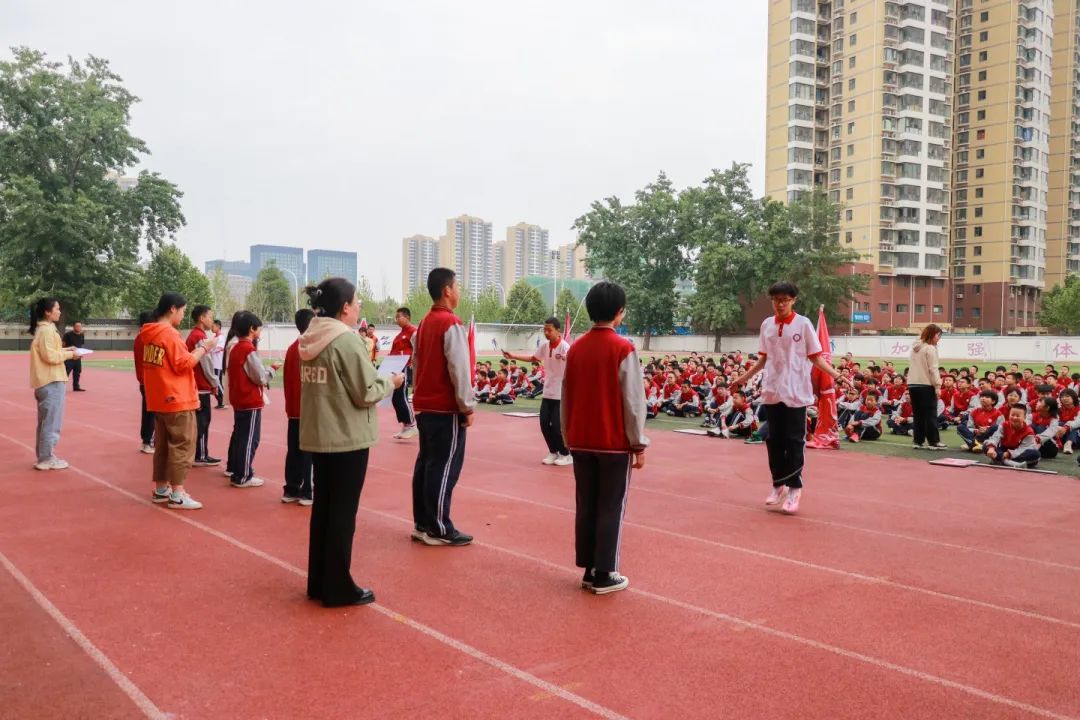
(850, 128)
(901, 308)
(980, 95)
(984, 16)
(848, 215)
(976, 312)
(977, 289)
(850, 194)
(983, 55)
(959, 312)
(853, 18)
(977, 251)
(850, 150)
(884, 280)
(978, 211)
(979, 172)
(883, 307)
(976, 269)
(851, 171)
(984, 36)
(853, 39)
(851, 84)
(980, 115)
(847, 235)
(937, 310)
(982, 76)
(980, 153)
(978, 230)
(851, 106)
(920, 309)
(851, 61)
(980, 134)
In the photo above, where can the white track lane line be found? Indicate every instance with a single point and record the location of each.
(475, 653)
(145, 704)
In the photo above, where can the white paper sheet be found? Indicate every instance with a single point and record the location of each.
(81, 352)
(391, 364)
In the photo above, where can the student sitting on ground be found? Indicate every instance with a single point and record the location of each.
(522, 386)
(848, 406)
(668, 393)
(903, 418)
(502, 392)
(1069, 419)
(981, 423)
(1014, 443)
(866, 423)
(536, 380)
(1044, 421)
(719, 404)
(687, 403)
(893, 395)
(652, 400)
(483, 385)
(738, 422)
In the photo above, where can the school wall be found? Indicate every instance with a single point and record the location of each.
(492, 338)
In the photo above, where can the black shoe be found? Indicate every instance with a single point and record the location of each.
(207, 462)
(588, 578)
(457, 538)
(219, 407)
(605, 583)
(362, 597)
(78, 389)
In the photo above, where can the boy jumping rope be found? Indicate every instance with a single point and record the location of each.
(788, 349)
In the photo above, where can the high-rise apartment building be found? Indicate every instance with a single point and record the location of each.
(569, 261)
(419, 256)
(946, 129)
(229, 267)
(524, 253)
(466, 249)
(322, 264)
(1063, 204)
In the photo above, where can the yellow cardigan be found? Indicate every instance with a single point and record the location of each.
(47, 356)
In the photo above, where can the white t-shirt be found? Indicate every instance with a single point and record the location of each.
(787, 348)
(218, 353)
(554, 361)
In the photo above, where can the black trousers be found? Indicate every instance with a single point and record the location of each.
(438, 466)
(74, 368)
(400, 400)
(247, 427)
(146, 428)
(786, 443)
(297, 464)
(220, 393)
(339, 479)
(202, 428)
(551, 426)
(602, 481)
(924, 427)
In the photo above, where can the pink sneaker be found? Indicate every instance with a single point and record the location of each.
(791, 505)
(776, 496)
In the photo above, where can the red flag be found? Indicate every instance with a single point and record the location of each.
(472, 344)
(826, 432)
(566, 327)
(363, 323)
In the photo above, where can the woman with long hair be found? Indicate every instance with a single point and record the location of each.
(924, 383)
(338, 425)
(48, 378)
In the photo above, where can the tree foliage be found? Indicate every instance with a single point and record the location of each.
(639, 247)
(225, 304)
(271, 295)
(524, 305)
(1061, 306)
(169, 270)
(66, 228)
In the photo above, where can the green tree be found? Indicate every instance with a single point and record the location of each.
(271, 295)
(224, 302)
(567, 302)
(1061, 306)
(66, 228)
(486, 308)
(639, 247)
(524, 305)
(418, 302)
(169, 270)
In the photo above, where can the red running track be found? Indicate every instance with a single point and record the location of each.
(900, 591)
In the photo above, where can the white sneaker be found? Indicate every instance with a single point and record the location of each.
(550, 459)
(53, 463)
(1068, 449)
(776, 496)
(227, 473)
(183, 501)
(1015, 464)
(397, 435)
(253, 482)
(408, 433)
(564, 460)
(147, 449)
(791, 505)
(305, 502)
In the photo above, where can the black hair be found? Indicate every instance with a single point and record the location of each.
(198, 311)
(604, 301)
(1044, 388)
(39, 309)
(303, 319)
(1019, 406)
(405, 311)
(859, 377)
(146, 316)
(872, 394)
(329, 297)
(1051, 406)
(1071, 393)
(1000, 368)
(438, 280)
(783, 288)
(233, 324)
(504, 362)
(989, 394)
(167, 302)
(491, 374)
(217, 322)
(247, 322)
(554, 322)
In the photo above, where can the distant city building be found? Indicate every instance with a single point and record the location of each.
(322, 264)
(466, 248)
(570, 262)
(124, 182)
(229, 267)
(523, 253)
(419, 256)
(288, 260)
(239, 287)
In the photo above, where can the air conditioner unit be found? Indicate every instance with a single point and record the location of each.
(959, 296)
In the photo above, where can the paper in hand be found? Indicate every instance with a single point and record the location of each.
(80, 352)
(391, 364)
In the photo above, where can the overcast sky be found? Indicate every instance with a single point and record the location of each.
(349, 125)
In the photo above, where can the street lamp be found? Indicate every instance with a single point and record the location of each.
(296, 289)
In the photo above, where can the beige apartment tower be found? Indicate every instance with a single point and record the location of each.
(419, 256)
(524, 253)
(466, 249)
(930, 122)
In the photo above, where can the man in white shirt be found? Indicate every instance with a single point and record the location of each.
(216, 357)
(552, 355)
(788, 350)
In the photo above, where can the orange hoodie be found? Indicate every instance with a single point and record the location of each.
(168, 370)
